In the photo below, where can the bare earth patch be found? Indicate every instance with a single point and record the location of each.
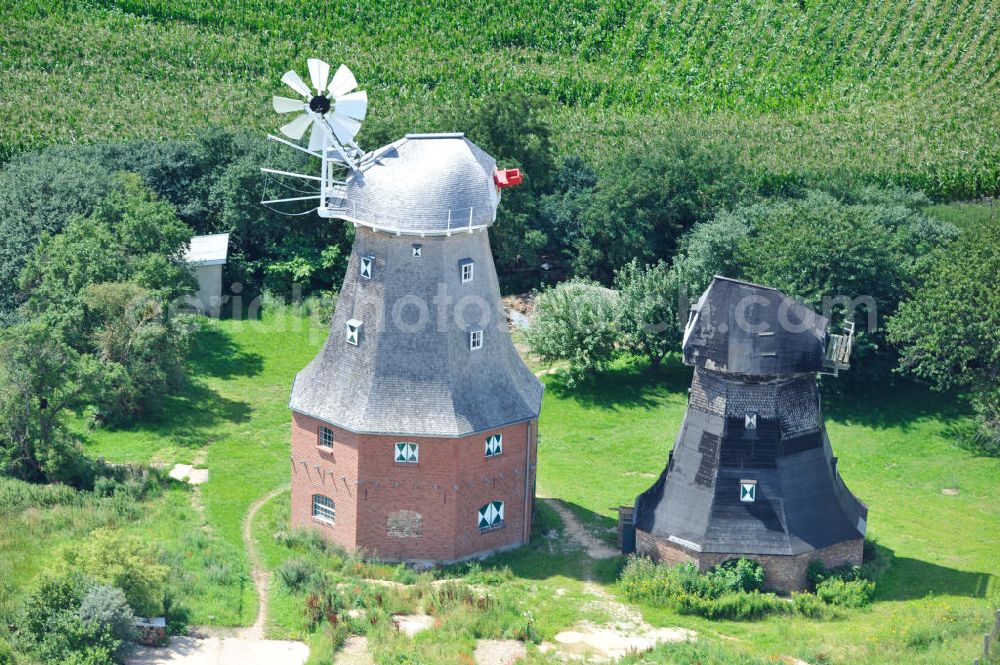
(499, 652)
(626, 632)
(411, 624)
(354, 652)
(192, 650)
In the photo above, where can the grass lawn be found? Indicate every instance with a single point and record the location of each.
(896, 447)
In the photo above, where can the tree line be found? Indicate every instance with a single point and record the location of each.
(92, 240)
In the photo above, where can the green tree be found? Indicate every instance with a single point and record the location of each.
(130, 236)
(41, 378)
(648, 310)
(141, 350)
(640, 211)
(39, 191)
(512, 129)
(871, 254)
(948, 331)
(105, 285)
(575, 322)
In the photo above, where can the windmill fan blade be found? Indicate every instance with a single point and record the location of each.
(296, 128)
(354, 105)
(286, 105)
(316, 138)
(319, 72)
(295, 82)
(344, 128)
(343, 82)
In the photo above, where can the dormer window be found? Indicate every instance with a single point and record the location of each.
(417, 250)
(367, 263)
(353, 332)
(475, 340)
(467, 269)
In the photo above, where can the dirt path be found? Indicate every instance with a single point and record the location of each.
(207, 645)
(579, 534)
(261, 577)
(626, 631)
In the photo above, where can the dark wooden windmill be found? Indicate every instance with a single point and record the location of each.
(752, 473)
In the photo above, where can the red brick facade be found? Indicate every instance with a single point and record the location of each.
(781, 573)
(423, 511)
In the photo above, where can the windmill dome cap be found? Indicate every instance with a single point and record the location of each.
(424, 183)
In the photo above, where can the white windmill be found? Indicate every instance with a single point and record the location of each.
(333, 109)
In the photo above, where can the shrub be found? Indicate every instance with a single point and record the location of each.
(808, 605)
(72, 641)
(846, 593)
(575, 322)
(6, 653)
(739, 575)
(127, 562)
(728, 591)
(735, 605)
(53, 593)
(106, 606)
(298, 573)
(648, 310)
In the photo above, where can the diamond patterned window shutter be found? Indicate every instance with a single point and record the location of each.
(418, 250)
(407, 453)
(748, 491)
(366, 266)
(494, 445)
(491, 515)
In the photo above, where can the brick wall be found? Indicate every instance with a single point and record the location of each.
(781, 573)
(332, 473)
(424, 511)
(646, 544)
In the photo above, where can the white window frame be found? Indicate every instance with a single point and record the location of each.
(321, 512)
(475, 340)
(498, 448)
(498, 522)
(416, 452)
(325, 437)
(354, 339)
(468, 271)
(369, 262)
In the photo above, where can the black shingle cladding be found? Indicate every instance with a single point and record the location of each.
(801, 502)
(751, 330)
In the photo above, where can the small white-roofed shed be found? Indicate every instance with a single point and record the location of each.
(206, 256)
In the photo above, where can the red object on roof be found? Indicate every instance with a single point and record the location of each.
(505, 178)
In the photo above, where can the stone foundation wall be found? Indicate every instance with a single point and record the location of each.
(781, 573)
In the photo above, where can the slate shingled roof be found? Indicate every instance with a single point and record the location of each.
(405, 377)
(423, 184)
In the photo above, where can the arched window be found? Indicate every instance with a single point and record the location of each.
(491, 516)
(323, 508)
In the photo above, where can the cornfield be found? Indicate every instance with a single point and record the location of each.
(891, 92)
